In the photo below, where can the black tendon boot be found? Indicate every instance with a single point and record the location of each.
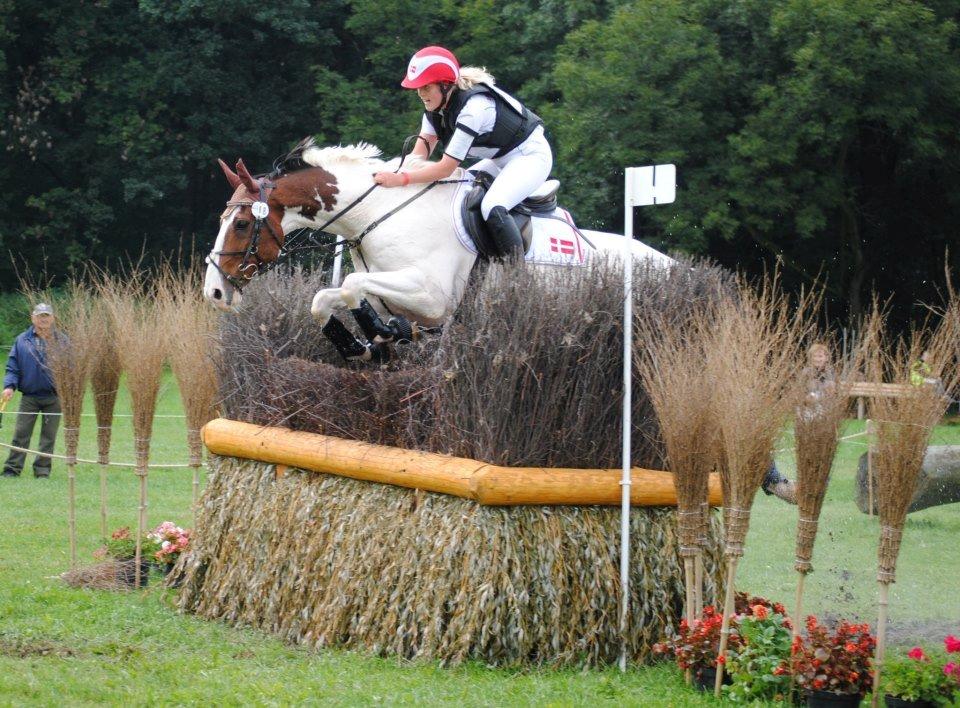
(505, 233)
(779, 486)
(396, 329)
(348, 346)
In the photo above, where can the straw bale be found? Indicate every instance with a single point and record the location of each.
(326, 561)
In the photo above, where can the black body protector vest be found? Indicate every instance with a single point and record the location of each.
(515, 122)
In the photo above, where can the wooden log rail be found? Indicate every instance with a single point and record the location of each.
(483, 483)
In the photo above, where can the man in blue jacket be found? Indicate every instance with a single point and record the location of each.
(27, 371)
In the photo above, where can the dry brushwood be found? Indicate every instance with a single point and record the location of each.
(528, 372)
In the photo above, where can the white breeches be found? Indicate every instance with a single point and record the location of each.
(517, 174)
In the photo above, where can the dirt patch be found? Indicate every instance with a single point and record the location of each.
(24, 649)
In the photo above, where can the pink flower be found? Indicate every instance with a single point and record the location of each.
(952, 643)
(917, 653)
(951, 668)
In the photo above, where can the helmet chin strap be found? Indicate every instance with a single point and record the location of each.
(445, 90)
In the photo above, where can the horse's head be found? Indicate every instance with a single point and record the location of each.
(250, 237)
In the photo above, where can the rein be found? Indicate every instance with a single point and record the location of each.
(285, 251)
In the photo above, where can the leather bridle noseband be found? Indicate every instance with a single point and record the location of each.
(249, 268)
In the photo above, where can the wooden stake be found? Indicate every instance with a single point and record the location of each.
(881, 640)
(103, 501)
(698, 590)
(728, 607)
(72, 487)
(689, 574)
(870, 450)
(141, 524)
(797, 620)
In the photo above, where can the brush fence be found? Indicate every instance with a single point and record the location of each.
(414, 566)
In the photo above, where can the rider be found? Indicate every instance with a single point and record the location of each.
(474, 119)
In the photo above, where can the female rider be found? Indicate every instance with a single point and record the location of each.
(474, 119)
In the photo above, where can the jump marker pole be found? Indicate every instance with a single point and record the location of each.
(335, 278)
(643, 186)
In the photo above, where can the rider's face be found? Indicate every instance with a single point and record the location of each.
(431, 96)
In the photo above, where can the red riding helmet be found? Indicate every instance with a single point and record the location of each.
(431, 65)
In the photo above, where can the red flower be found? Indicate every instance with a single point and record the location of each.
(917, 653)
(760, 612)
(952, 644)
(721, 659)
(850, 647)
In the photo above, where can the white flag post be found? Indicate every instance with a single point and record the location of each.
(643, 186)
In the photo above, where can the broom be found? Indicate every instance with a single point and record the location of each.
(141, 345)
(753, 362)
(903, 426)
(105, 370)
(194, 354)
(68, 359)
(669, 359)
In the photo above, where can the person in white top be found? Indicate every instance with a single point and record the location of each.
(473, 119)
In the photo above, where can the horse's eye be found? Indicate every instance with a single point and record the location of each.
(241, 224)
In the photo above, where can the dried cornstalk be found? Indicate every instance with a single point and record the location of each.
(191, 324)
(903, 428)
(68, 357)
(142, 347)
(755, 356)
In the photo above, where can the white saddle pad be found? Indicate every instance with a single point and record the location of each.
(555, 241)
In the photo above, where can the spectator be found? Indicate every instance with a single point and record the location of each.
(27, 371)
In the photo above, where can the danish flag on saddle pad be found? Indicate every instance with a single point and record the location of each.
(561, 245)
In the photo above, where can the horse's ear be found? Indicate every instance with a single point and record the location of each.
(231, 176)
(245, 177)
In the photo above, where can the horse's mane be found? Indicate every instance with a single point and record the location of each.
(308, 154)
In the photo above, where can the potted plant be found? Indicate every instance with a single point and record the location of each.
(122, 548)
(759, 666)
(833, 667)
(919, 680)
(695, 647)
(172, 541)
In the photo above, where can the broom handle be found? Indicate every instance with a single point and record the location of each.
(103, 500)
(141, 518)
(196, 493)
(725, 625)
(869, 430)
(796, 624)
(689, 574)
(72, 513)
(881, 640)
(698, 570)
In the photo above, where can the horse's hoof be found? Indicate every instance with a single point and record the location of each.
(786, 490)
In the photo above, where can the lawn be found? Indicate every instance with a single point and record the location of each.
(76, 647)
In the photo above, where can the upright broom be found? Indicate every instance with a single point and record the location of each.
(670, 363)
(754, 361)
(142, 347)
(903, 426)
(194, 352)
(69, 356)
(105, 370)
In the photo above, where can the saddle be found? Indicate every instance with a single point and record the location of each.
(542, 201)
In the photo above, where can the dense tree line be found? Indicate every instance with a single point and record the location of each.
(822, 133)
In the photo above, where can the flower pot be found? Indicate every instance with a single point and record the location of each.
(895, 702)
(127, 572)
(829, 699)
(705, 678)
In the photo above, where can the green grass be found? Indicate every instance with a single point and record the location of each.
(60, 646)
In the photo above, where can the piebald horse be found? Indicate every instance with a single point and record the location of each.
(404, 244)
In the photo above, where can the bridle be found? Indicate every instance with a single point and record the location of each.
(248, 268)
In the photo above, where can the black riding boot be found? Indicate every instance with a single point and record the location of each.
(505, 233)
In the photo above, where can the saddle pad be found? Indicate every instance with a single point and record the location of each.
(554, 242)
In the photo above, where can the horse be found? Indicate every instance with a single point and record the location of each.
(407, 243)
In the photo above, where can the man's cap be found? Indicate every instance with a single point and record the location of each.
(42, 308)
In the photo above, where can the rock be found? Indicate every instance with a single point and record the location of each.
(939, 481)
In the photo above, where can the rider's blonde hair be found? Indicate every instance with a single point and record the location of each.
(472, 75)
